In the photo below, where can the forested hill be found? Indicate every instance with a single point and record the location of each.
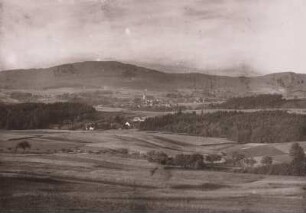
(97, 74)
(255, 127)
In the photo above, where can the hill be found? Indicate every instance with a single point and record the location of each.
(112, 74)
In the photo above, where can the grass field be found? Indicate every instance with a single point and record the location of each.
(89, 171)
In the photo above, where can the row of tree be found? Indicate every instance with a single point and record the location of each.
(191, 161)
(296, 167)
(244, 127)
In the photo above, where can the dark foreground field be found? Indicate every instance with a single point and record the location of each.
(69, 171)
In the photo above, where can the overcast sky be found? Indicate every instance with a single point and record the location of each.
(265, 35)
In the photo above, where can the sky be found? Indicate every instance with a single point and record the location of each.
(263, 36)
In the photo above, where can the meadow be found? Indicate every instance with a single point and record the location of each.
(102, 171)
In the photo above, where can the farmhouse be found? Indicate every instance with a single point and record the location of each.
(127, 125)
(90, 127)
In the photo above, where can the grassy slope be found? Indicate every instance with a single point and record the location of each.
(49, 179)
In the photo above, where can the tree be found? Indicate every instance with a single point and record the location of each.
(194, 161)
(250, 162)
(266, 160)
(297, 152)
(157, 157)
(197, 161)
(237, 157)
(23, 145)
(297, 164)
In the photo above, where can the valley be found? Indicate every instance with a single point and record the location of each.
(80, 147)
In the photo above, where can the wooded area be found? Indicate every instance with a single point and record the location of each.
(40, 115)
(256, 127)
(262, 101)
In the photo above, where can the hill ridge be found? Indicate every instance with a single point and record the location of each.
(116, 74)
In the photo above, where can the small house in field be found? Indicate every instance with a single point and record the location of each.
(127, 125)
(90, 127)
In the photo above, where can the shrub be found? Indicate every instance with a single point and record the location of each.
(266, 160)
(249, 162)
(194, 161)
(124, 151)
(236, 158)
(157, 157)
(212, 158)
(23, 145)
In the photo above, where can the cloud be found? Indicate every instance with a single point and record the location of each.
(200, 34)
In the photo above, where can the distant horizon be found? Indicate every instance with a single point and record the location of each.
(192, 35)
(251, 74)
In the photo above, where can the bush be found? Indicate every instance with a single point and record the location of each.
(236, 158)
(123, 151)
(157, 157)
(249, 162)
(23, 145)
(212, 158)
(194, 161)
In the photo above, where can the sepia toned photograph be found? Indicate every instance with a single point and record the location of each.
(152, 106)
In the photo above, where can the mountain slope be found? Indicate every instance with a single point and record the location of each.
(92, 74)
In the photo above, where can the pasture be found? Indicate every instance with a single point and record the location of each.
(104, 171)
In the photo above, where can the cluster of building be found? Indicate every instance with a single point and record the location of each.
(128, 124)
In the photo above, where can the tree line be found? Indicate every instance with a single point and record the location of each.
(243, 127)
(41, 115)
(262, 101)
(187, 161)
(235, 161)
